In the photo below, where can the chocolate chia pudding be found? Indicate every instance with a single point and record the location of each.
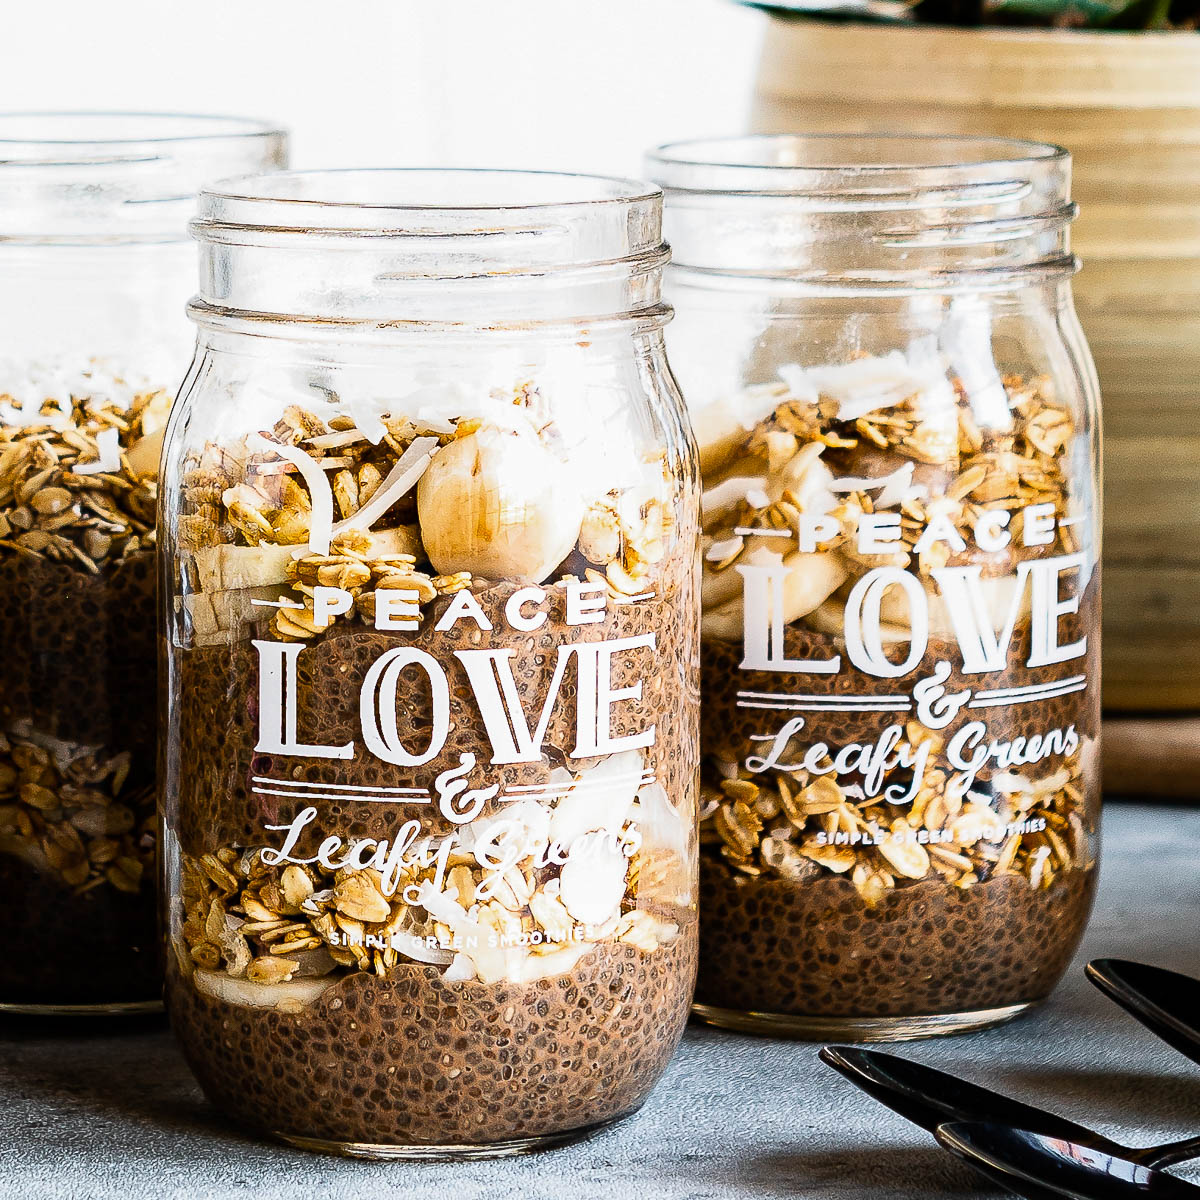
(922, 950)
(78, 709)
(221, 805)
(432, 784)
(901, 704)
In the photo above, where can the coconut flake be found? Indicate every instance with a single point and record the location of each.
(1009, 783)
(865, 385)
(320, 529)
(526, 822)
(417, 948)
(108, 443)
(367, 416)
(599, 799)
(661, 825)
(896, 486)
(401, 479)
(966, 339)
(491, 963)
(592, 880)
(730, 492)
(723, 549)
(426, 420)
(461, 970)
(337, 439)
(799, 382)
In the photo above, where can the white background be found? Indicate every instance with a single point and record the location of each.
(556, 84)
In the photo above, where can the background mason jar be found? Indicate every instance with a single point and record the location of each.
(430, 561)
(95, 270)
(898, 428)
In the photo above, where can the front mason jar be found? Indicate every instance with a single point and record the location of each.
(430, 577)
(95, 270)
(898, 428)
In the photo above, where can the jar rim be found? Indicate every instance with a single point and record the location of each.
(341, 193)
(123, 130)
(781, 158)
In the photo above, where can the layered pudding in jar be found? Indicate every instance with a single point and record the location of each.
(432, 809)
(79, 451)
(900, 680)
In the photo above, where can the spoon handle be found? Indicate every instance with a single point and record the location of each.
(1170, 1154)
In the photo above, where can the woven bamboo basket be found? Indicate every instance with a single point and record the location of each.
(1128, 108)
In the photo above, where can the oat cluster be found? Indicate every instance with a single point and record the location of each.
(81, 489)
(73, 818)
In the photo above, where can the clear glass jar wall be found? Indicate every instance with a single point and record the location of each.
(430, 582)
(95, 270)
(898, 429)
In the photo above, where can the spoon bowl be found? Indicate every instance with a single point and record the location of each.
(1035, 1165)
(930, 1098)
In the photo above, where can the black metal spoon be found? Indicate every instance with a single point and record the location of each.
(930, 1098)
(1034, 1165)
(1166, 1002)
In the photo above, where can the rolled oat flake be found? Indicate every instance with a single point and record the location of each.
(432, 750)
(898, 427)
(95, 266)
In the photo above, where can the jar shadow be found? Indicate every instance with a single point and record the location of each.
(1119, 1096)
(70, 1070)
(869, 1173)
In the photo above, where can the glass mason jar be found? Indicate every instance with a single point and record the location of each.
(95, 269)
(898, 428)
(431, 566)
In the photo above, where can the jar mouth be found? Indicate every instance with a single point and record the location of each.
(83, 178)
(877, 211)
(87, 137)
(414, 245)
(406, 190)
(807, 164)
(418, 202)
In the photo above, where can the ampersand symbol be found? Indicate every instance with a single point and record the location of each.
(457, 802)
(936, 709)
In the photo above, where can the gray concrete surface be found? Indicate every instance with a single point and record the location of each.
(115, 1115)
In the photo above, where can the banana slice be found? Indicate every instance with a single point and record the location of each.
(811, 580)
(229, 568)
(293, 996)
(997, 597)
